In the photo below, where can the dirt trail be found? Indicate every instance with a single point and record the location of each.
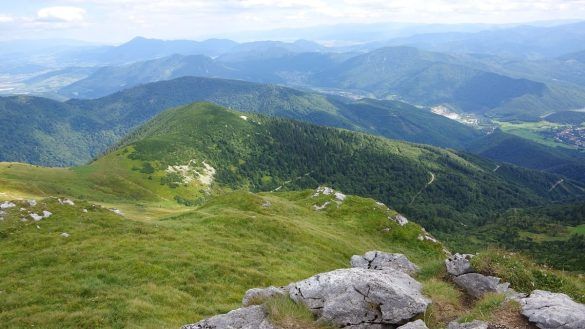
(496, 168)
(431, 181)
(556, 184)
(289, 181)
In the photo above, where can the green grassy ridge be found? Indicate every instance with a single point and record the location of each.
(262, 153)
(119, 273)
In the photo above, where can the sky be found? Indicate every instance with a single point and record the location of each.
(115, 21)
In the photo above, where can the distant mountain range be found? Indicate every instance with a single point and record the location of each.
(36, 126)
(401, 73)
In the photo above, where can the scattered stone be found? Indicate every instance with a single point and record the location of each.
(23, 219)
(378, 260)
(267, 204)
(459, 264)
(38, 227)
(400, 219)
(66, 202)
(22, 209)
(47, 214)
(243, 117)
(257, 296)
(477, 285)
(323, 190)
(117, 211)
(426, 236)
(65, 234)
(6, 205)
(321, 207)
(36, 217)
(32, 202)
(553, 310)
(468, 325)
(253, 317)
(340, 196)
(361, 298)
(84, 210)
(418, 324)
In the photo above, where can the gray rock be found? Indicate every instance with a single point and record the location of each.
(7, 204)
(553, 311)
(253, 317)
(468, 325)
(418, 324)
(459, 264)
(361, 298)
(378, 260)
(255, 295)
(477, 285)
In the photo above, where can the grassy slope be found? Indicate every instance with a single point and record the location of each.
(120, 273)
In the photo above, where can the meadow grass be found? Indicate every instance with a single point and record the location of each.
(162, 273)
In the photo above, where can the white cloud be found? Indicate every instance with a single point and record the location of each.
(61, 14)
(6, 19)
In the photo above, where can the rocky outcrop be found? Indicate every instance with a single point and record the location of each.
(459, 264)
(257, 296)
(477, 285)
(357, 297)
(253, 317)
(418, 324)
(553, 311)
(378, 293)
(377, 260)
(468, 325)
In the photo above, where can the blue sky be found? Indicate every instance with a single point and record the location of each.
(118, 20)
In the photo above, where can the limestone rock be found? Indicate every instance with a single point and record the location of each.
(400, 219)
(378, 260)
(361, 298)
(255, 295)
(468, 325)
(477, 285)
(553, 310)
(418, 324)
(253, 317)
(459, 264)
(7, 204)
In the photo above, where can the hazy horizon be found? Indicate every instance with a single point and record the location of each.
(117, 21)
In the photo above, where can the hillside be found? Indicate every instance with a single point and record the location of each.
(509, 148)
(115, 272)
(264, 154)
(110, 118)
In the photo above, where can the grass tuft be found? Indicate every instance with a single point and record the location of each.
(286, 314)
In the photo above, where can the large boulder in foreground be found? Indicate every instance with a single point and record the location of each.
(553, 311)
(378, 260)
(253, 317)
(477, 285)
(361, 298)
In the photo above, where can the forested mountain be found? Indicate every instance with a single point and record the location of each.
(402, 73)
(442, 189)
(108, 119)
(509, 148)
